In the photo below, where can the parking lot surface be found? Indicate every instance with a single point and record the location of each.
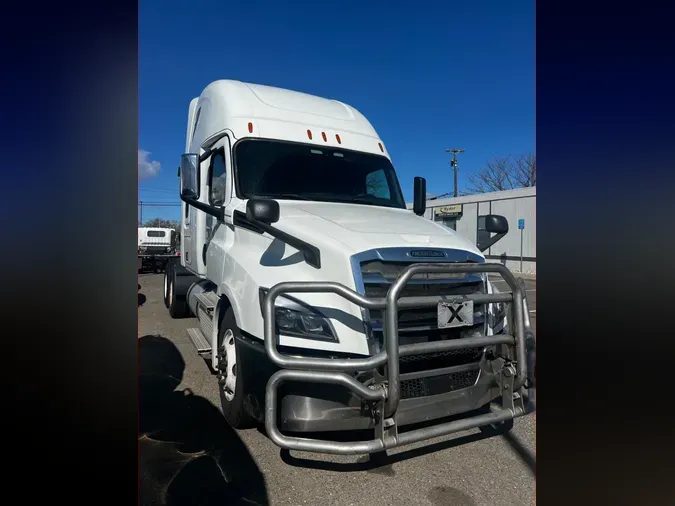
(189, 455)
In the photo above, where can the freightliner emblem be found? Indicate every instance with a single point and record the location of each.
(426, 253)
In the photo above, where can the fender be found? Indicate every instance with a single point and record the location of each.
(226, 298)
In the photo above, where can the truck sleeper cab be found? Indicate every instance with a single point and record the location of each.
(323, 303)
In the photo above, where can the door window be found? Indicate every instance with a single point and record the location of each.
(218, 181)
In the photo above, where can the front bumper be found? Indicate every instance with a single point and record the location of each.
(310, 394)
(329, 408)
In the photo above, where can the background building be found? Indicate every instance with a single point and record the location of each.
(466, 216)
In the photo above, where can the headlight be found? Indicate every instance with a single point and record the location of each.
(297, 319)
(497, 318)
(498, 308)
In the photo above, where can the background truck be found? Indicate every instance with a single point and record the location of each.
(322, 304)
(156, 246)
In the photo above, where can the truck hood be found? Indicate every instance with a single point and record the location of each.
(363, 227)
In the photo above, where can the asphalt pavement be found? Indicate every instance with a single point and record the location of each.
(189, 455)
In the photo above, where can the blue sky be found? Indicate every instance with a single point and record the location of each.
(454, 75)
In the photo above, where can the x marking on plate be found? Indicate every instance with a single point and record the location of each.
(455, 314)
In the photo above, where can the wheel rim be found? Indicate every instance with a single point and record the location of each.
(166, 286)
(228, 369)
(170, 293)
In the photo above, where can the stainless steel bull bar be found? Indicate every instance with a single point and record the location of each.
(333, 371)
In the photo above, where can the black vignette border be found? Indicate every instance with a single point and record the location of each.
(70, 107)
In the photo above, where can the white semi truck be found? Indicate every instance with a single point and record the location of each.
(321, 302)
(156, 246)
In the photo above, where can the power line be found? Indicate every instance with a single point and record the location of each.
(158, 201)
(154, 204)
(160, 190)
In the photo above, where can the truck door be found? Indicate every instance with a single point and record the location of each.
(220, 187)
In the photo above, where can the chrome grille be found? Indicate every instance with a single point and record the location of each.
(435, 385)
(414, 363)
(421, 289)
(377, 279)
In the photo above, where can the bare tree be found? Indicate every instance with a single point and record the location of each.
(525, 169)
(505, 173)
(376, 186)
(161, 223)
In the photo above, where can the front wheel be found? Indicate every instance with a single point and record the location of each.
(231, 378)
(496, 429)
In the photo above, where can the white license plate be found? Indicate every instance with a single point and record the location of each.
(455, 314)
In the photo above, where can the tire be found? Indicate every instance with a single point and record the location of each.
(232, 399)
(167, 273)
(498, 428)
(178, 308)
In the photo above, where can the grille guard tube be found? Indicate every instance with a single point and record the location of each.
(321, 370)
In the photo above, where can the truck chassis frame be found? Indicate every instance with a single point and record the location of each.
(516, 381)
(155, 262)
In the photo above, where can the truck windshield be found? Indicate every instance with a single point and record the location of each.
(288, 170)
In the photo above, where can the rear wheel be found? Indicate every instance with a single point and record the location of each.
(178, 306)
(231, 380)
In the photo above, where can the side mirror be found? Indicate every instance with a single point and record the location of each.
(189, 176)
(496, 224)
(263, 210)
(420, 196)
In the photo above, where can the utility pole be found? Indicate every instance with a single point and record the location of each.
(453, 164)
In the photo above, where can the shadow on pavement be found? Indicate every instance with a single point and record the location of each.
(189, 455)
(141, 298)
(524, 453)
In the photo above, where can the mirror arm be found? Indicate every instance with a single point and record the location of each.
(485, 245)
(210, 142)
(311, 253)
(216, 212)
(205, 155)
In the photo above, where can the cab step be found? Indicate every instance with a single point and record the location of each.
(202, 344)
(207, 300)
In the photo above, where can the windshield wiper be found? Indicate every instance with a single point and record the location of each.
(284, 196)
(346, 199)
(355, 200)
(324, 197)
